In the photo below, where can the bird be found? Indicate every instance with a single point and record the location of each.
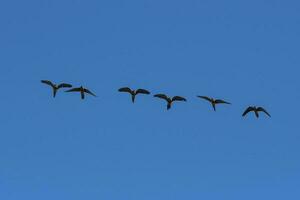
(82, 91)
(169, 99)
(55, 87)
(133, 92)
(214, 101)
(256, 110)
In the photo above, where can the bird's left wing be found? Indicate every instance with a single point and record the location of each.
(73, 90)
(178, 98)
(263, 110)
(221, 101)
(142, 91)
(89, 92)
(64, 85)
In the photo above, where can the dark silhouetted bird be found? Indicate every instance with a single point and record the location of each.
(256, 110)
(214, 101)
(133, 92)
(56, 87)
(170, 100)
(82, 91)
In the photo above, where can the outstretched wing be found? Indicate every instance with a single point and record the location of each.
(48, 83)
(73, 90)
(205, 97)
(142, 91)
(162, 96)
(64, 85)
(249, 109)
(263, 110)
(178, 98)
(221, 101)
(89, 92)
(125, 89)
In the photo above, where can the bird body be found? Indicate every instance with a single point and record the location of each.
(169, 99)
(55, 87)
(256, 110)
(133, 92)
(214, 101)
(82, 91)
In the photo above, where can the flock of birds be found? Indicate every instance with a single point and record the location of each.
(133, 93)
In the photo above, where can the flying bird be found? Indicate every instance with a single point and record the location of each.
(169, 99)
(256, 110)
(214, 101)
(133, 92)
(55, 87)
(82, 91)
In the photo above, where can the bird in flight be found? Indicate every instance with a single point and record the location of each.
(169, 99)
(55, 87)
(256, 110)
(214, 101)
(82, 91)
(133, 92)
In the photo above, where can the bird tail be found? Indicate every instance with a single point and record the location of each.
(214, 106)
(169, 105)
(132, 98)
(82, 95)
(54, 92)
(256, 114)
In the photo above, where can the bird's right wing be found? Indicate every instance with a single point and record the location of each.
(162, 96)
(73, 90)
(205, 97)
(178, 98)
(142, 91)
(125, 89)
(249, 109)
(263, 110)
(47, 82)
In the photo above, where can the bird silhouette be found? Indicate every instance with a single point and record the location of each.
(256, 110)
(82, 91)
(169, 99)
(133, 92)
(55, 87)
(214, 101)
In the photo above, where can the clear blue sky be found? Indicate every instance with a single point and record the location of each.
(246, 52)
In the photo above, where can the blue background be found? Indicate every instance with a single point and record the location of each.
(246, 52)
